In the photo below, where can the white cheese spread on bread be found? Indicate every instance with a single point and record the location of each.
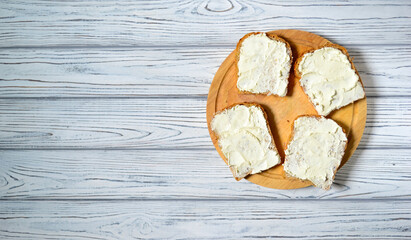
(245, 140)
(264, 65)
(315, 150)
(329, 80)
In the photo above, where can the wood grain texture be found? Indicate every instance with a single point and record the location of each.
(136, 72)
(107, 23)
(282, 111)
(182, 174)
(205, 220)
(141, 123)
(90, 75)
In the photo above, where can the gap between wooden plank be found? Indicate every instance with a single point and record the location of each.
(148, 97)
(164, 148)
(114, 200)
(171, 46)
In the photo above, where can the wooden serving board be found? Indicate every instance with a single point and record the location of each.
(281, 111)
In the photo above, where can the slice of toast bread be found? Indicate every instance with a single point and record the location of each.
(245, 139)
(263, 62)
(328, 77)
(315, 150)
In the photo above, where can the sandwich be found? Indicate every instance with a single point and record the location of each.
(245, 139)
(264, 61)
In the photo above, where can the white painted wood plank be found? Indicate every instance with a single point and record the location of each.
(141, 123)
(199, 23)
(205, 219)
(101, 72)
(183, 174)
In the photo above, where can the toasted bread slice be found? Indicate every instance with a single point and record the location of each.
(329, 78)
(315, 150)
(245, 139)
(263, 62)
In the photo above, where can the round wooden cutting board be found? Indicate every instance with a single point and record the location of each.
(281, 111)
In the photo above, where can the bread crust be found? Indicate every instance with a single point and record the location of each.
(292, 136)
(297, 73)
(271, 36)
(238, 178)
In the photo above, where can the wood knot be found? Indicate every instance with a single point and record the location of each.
(219, 6)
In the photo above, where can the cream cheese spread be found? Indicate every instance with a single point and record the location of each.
(315, 150)
(328, 79)
(263, 66)
(245, 140)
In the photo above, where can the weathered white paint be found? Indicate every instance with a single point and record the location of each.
(103, 132)
(182, 174)
(199, 23)
(91, 72)
(166, 123)
(290, 219)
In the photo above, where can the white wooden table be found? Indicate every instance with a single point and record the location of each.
(103, 131)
